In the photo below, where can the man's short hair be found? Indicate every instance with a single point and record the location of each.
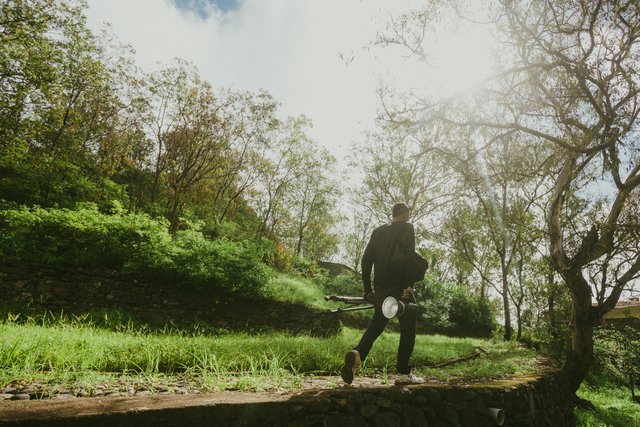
(399, 209)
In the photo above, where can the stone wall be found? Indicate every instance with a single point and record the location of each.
(73, 291)
(533, 401)
(527, 402)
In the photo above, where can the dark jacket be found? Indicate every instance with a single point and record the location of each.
(379, 251)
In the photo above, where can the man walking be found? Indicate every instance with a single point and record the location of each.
(390, 279)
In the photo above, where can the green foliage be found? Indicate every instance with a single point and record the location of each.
(345, 284)
(450, 309)
(612, 406)
(306, 267)
(130, 243)
(235, 265)
(278, 256)
(617, 354)
(35, 181)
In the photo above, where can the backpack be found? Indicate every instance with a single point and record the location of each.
(414, 266)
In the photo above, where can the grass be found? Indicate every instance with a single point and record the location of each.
(613, 406)
(77, 352)
(300, 290)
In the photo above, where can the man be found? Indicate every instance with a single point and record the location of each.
(389, 280)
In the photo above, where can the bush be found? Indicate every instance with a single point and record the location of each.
(449, 309)
(35, 181)
(346, 284)
(131, 243)
(237, 266)
(617, 354)
(306, 267)
(278, 256)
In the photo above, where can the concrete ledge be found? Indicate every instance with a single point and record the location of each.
(529, 401)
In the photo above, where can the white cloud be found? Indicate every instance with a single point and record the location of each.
(288, 47)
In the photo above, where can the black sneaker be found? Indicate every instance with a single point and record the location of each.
(351, 365)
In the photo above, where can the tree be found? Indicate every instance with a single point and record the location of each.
(58, 103)
(282, 165)
(569, 86)
(312, 205)
(355, 240)
(395, 169)
(249, 118)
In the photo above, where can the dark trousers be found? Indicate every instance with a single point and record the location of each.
(376, 327)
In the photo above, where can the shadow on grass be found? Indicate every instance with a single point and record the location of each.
(612, 402)
(117, 320)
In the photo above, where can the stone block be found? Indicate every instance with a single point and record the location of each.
(343, 420)
(368, 411)
(413, 417)
(387, 419)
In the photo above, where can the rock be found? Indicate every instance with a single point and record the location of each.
(430, 413)
(143, 393)
(387, 419)
(342, 402)
(448, 414)
(342, 420)
(321, 406)
(65, 396)
(83, 393)
(296, 409)
(413, 417)
(6, 396)
(9, 390)
(309, 421)
(434, 396)
(368, 411)
(20, 396)
(470, 419)
(384, 402)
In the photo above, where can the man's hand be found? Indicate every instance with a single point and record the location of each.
(407, 293)
(370, 296)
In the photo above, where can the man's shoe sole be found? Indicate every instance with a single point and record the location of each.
(351, 365)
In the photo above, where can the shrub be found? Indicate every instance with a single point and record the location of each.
(234, 265)
(34, 181)
(347, 284)
(450, 309)
(278, 256)
(617, 354)
(306, 267)
(130, 243)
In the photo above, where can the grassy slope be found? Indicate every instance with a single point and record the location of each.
(82, 352)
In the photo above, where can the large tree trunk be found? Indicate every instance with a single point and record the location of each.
(583, 319)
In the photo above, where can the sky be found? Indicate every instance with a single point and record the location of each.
(311, 55)
(314, 56)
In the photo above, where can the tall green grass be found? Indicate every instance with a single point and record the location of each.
(296, 289)
(69, 350)
(613, 406)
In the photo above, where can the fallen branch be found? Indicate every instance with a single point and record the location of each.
(478, 351)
